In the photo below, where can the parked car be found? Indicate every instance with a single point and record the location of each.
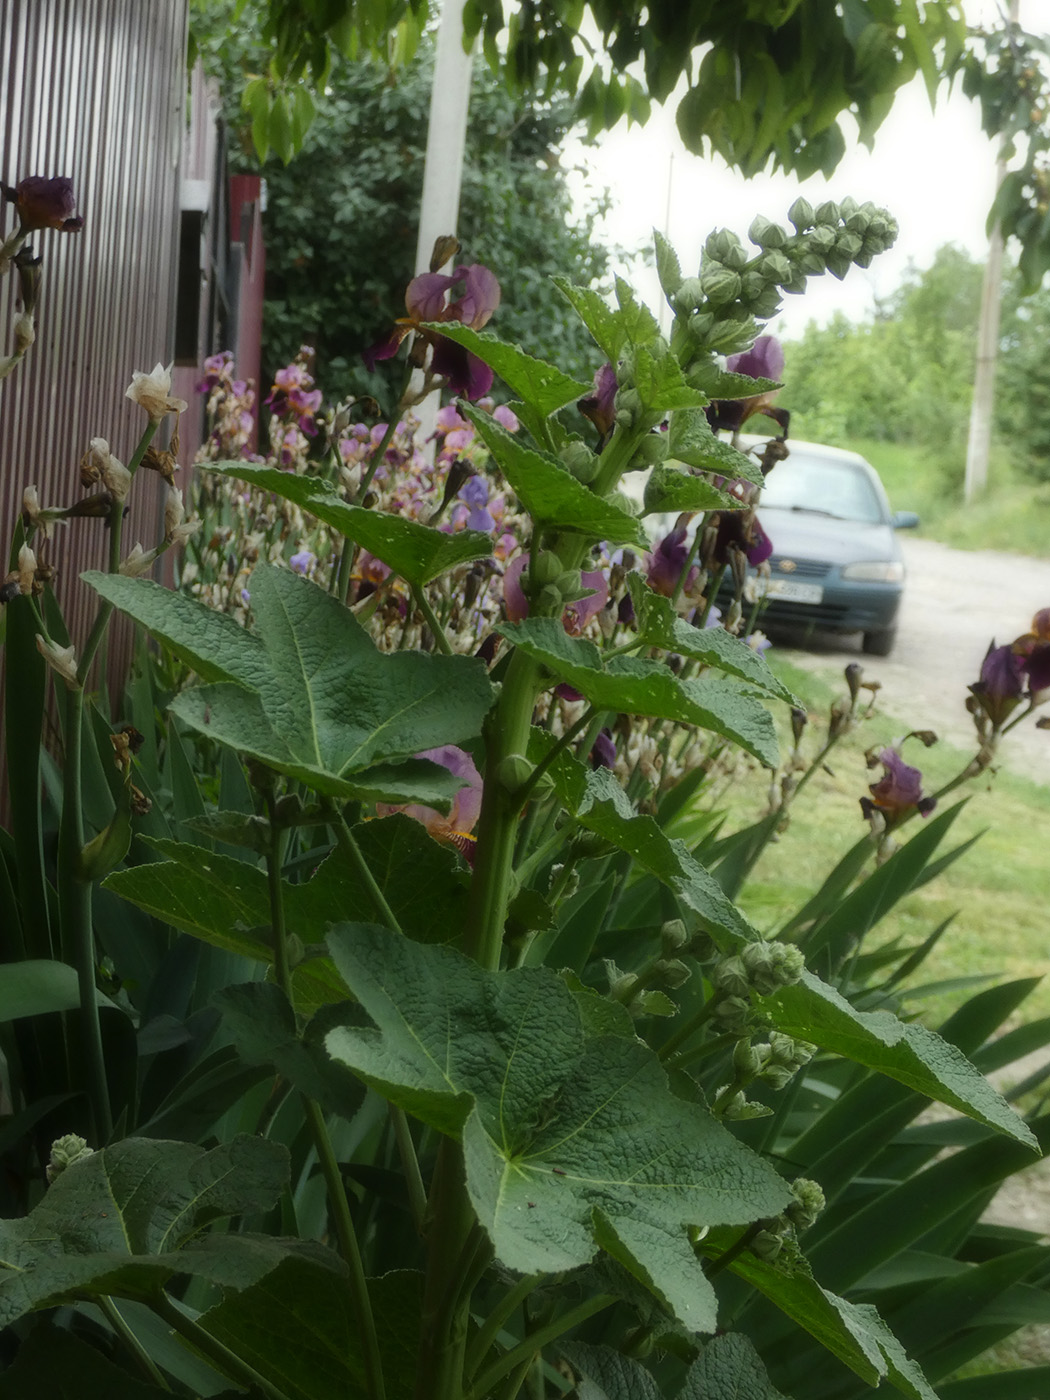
(836, 561)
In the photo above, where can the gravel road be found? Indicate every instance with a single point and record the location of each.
(955, 602)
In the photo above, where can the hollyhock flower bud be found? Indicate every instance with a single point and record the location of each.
(65, 1151)
(153, 393)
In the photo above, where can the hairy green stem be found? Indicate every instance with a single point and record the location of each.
(529, 786)
(527, 1349)
(227, 1362)
(74, 905)
(450, 1242)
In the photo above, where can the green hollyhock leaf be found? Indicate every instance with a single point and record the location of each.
(128, 1218)
(604, 324)
(662, 385)
(726, 384)
(854, 1332)
(549, 491)
(599, 803)
(640, 326)
(322, 703)
(668, 268)
(670, 491)
(910, 1053)
(217, 647)
(416, 552)
(540, 385)
(630, 685)
(299, 1331)
(661, 626)
(692, 442)
(571, 1141)
(606, 1374)
(263, 1028)
(729, 1368)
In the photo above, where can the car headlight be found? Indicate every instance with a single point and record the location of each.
(875, 571)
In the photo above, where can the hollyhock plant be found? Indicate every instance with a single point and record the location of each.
(898, 792)
(765, 360)
(475, 295)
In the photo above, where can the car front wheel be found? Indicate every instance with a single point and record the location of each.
(879, 643)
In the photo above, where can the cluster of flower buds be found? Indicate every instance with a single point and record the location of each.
(718, 309)
(782, 1230)
(65, 1151)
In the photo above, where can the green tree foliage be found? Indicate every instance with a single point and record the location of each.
(1023, 384)
(903, 375)
(341, 220)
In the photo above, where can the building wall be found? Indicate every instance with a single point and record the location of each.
(94, 90)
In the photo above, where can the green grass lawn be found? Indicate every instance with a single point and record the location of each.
(1013, 514)
(999, 891)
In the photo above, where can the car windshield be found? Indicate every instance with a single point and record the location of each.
(841, 489)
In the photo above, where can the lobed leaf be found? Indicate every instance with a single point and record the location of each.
(692, 441)
(669, 490)
(908, 1052)
(571, 1141)
(549, 491)
(416, 552)
(545, 387)
(661, 626)
(632, 686)
(729, 1366)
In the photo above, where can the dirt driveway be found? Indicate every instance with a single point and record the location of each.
(955, 603)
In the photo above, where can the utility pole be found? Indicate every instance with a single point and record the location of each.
(980, 436)
(443, 166)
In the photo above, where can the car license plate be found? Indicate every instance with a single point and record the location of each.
(788, 590)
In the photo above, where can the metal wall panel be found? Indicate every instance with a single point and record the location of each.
(94, 90)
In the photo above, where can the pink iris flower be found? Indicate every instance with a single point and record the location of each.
(455, 828)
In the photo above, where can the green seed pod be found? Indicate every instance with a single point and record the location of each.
(732, 1015)
(801, 214)
(514, 771)
(766, 233)
(650, 452)
(700, 325)
(826, 213)
(848, 243)
(673, 972)
(732, 976)
(544, 569)
(689, 296)
(775, 267)
(673, 936)
(767, 305)
(720, 284)
(766, 1245)
(580, 460)
(821, 239)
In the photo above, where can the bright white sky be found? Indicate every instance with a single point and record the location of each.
(933, 170)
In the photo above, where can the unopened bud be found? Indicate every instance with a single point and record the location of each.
(65, 1151)
(799, 720)
(854, 675)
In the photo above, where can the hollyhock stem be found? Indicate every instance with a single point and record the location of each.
(436, 629)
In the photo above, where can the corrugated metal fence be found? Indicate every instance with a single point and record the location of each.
(94, 90)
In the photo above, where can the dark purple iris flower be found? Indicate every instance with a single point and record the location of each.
(476, 295)
(668, 560)
(600, 407)
(898, 791)
(44, 203)
(741, 528)
(998, 691)
(603, 754)
(765, 360)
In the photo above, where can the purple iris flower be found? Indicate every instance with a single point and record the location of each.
(765, 360)
(454, 829)
(44, 203)
(897, 791)
(668, 560)
(477, 295)
(741, 528)
(577, 615)
(599, 406)
(303, 562)
(998, 691)
(603, 754)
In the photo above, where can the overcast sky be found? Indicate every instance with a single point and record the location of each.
(933, 170)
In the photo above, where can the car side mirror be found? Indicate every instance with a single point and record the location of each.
(904, 520)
